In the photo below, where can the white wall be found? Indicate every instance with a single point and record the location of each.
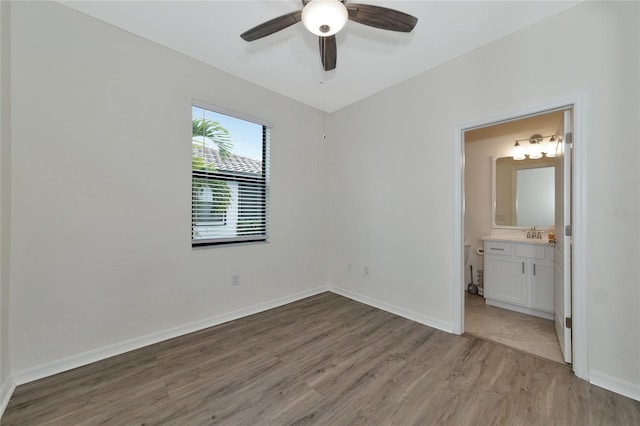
(101, 135)
(477, 178)
(392, 186)
(5, 198)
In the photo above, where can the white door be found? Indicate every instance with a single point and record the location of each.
(562, 255)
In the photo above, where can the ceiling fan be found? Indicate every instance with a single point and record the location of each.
(325, 18)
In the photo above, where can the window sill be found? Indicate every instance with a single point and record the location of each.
(199, 246)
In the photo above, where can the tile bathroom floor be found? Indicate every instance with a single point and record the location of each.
(523, 332)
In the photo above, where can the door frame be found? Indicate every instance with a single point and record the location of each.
(579, 197)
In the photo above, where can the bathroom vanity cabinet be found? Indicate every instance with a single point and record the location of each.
(518, 275)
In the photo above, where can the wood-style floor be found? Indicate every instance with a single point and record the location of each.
(324, 360)
(527, 333)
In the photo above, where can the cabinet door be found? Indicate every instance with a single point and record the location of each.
(505, 280)
(542, 287)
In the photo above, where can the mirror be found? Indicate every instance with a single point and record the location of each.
(523, 193)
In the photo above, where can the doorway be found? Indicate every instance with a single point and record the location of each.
(577, 299)
(505, 195)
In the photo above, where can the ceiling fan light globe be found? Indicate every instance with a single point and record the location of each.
(324, 17)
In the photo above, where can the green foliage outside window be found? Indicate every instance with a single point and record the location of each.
(218, 194)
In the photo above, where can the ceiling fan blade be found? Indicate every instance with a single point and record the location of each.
(381, 17)
(272, 26)
(328, 52)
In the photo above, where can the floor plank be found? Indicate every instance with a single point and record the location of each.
(324, 360)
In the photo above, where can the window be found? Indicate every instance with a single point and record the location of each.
(229, 178)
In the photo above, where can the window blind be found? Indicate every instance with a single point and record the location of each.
(230, 191)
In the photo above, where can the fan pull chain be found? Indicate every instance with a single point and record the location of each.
(324, 126)
(324, 113)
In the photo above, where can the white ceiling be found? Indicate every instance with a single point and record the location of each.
(288, 62)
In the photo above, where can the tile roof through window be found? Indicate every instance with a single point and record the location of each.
(234, 163)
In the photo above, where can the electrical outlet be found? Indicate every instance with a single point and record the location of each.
(366, 271)
(235, 279)
(349, 267)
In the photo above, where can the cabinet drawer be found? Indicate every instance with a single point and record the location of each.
(496, 247)
(531, 251)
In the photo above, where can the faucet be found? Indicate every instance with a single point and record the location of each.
(534, 233)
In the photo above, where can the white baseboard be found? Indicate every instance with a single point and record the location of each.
(405, 313)
(6, 391)
(614, 384)
(84, 358)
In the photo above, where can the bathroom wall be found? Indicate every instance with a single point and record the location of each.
(481, 146)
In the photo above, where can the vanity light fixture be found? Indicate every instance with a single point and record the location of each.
(536, 147)
(552, 146)
(535, 151)
(518, 152)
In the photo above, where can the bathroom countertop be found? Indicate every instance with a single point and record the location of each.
(516, 239)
